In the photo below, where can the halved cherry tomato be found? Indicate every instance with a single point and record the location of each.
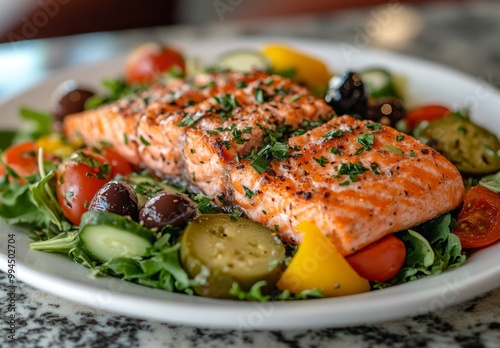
(379, 261)
(478, 222)
(78, 180)
(22, 158)
(425, 113)
(148, 61)
(119, 165)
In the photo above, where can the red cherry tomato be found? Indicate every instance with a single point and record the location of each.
(425, 113)
(148, 61)
(78, 180)
(478, 223)
(22, 158)
(379, 261)
(119, 165)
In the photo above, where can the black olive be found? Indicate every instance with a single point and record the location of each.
(172, 209)
(346, 94)
(387, 111)
(116, 197)
(69, 99)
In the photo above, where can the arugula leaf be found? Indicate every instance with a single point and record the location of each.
(255, 293)
(204, 204)
(430, 249)
(6, 138)
(44, 200)
(491, 182)
(35, 124)
(17, 207)
(162, 269)
(62, 243)
(116, 89)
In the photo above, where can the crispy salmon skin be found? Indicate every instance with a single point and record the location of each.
(357, 180)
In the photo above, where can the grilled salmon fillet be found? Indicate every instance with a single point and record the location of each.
(357, 180)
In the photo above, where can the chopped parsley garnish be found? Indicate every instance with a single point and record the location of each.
(237, 212)
(248, 193)
(366, 139)
(144, 141)
(260, 163)
(259, 95)
(241, 84)
(394, 149)
(237, 133)
(226, 144)
(227, 102)
(374, 126)
(336, 151)
(296, 97)
(400, 137)
(280, 151)
(351, 168)
(321, 160)
(359, 150)
(189, 120)
(412, 153)
(333, 134)
(375, 169)
(125, 138)
(260, 160)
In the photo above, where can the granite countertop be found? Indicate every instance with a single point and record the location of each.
(464, 37)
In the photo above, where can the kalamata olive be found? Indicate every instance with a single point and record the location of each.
(69, 99)
(173, 209)
(346, 94)
(116, 197)
(387, 111)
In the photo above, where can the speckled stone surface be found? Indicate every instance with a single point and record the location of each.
(464, 37)
(48, 321)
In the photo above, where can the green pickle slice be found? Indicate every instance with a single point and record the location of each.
(471, 148)
(220, 249)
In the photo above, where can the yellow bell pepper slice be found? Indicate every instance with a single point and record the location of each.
(318, 265)
(308, 70)
(53, 144)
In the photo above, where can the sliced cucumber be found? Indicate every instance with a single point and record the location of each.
(243, 60)
(380, 83)
(221, 249)
(105, 236)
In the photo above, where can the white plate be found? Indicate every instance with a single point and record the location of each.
(426, 83)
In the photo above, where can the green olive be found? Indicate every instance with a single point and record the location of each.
(471, 148)
(221, 249)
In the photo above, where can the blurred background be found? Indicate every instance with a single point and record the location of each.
(40, 36)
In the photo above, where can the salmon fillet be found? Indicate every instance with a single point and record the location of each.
(357, 180)
(355, 193)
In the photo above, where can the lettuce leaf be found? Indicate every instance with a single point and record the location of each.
(431, 249)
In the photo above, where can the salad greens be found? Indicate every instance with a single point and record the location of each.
(431, 248)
